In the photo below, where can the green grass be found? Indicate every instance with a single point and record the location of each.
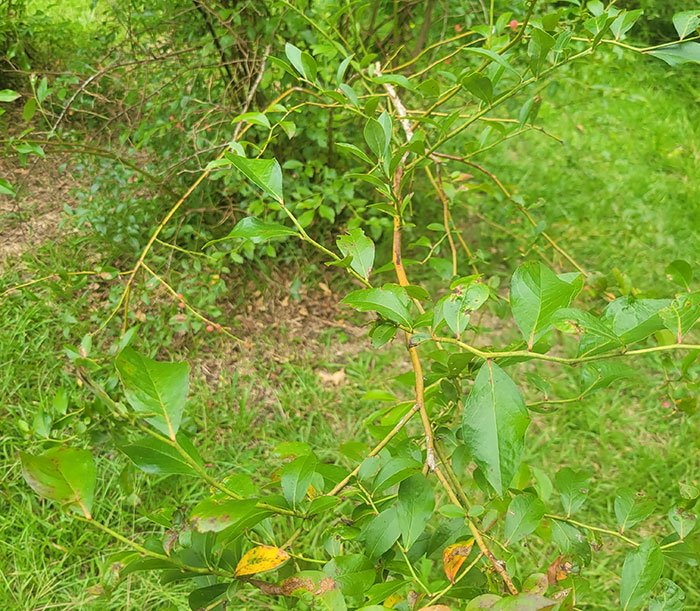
(620, 193)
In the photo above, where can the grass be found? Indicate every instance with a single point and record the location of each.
(619, 193)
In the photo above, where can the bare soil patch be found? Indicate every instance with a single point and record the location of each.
(43, 187)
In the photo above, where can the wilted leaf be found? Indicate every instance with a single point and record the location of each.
(453, 557)
(260, 559)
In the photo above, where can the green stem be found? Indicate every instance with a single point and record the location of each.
(147, 552)
(606, 531)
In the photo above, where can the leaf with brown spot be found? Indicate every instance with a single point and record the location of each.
(559, 570)
(64, 475)
(435, 608)
(453, 557)
(260, 559)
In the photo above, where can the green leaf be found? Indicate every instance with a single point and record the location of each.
(640, 572)
(42, 90)
(632, 320)
(390, 301)
(686, 23)
(415, 506)
(340, 74)
(265, 173)
(680, 272)
(155, 387)
(586, 322)
(681, 315)
(381, 533)
(155, 456)
(493, 425)
(6, 188)
(64, 475)
(624, 21)
(296, 478)
(478, 85)
(357, 245)
(630, 509)
(7, 95)
(205, 597)
(493, 56)
(484, 601)
(540, 45)
(675, 55)
(682, 520)
(523, 517)
(571, 541)
(29, 110)
(255, 230)
(536, 293)
(375, 137)
(353, 573)
(670, 599)
(573, 488)
(310, 69)
(395, 471)
(350, 94)
(294, 56)
(525, 602)
(602, 374)
(255, 118)
(358, 152)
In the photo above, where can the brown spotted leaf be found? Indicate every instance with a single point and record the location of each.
(64, 475)
(453, 557)
(260, 559)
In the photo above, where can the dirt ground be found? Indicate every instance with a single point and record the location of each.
(43, 187)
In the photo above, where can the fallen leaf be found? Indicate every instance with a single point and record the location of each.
(336, 378)
(454, 556)
(259, 559)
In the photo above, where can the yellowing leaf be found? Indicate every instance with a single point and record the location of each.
(312, 493)
(454, 556)
(260, 559)
(394, 599)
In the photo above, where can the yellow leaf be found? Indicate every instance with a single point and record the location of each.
(311, 492)
(394, 599)
(260, 559)
(454, 556)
